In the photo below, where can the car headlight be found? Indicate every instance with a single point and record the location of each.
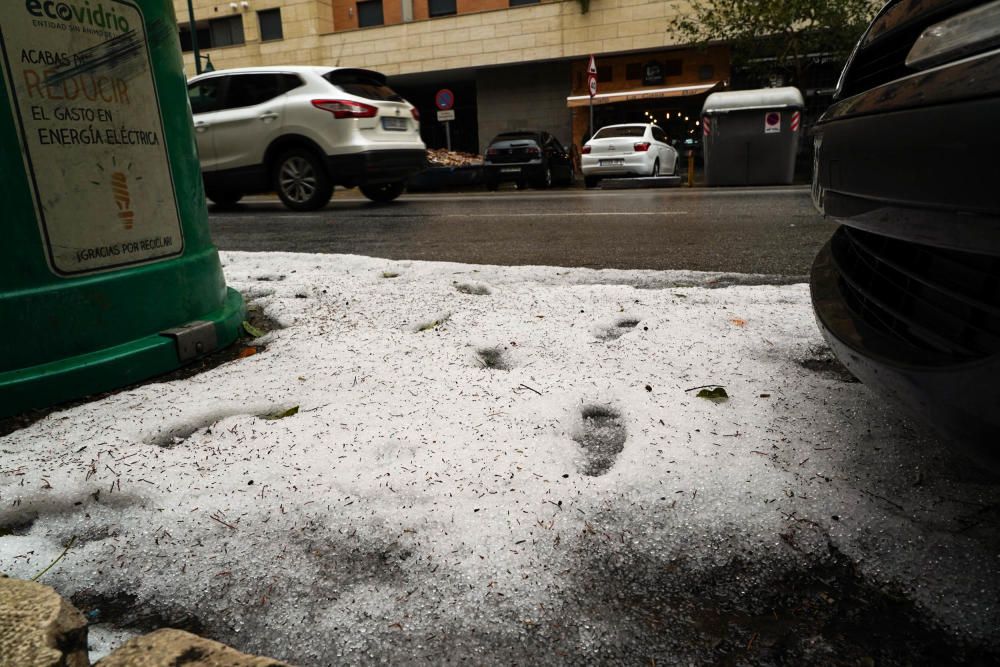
(967, 33)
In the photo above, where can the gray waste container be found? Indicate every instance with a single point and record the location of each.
(751, 136)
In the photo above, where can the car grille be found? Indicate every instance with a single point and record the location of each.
(881, 57)
(940, 304)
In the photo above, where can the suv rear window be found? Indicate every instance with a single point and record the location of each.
(247, 90)
(612, 132)
(363, 83)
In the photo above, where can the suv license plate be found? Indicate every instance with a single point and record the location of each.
(395, 124)
(612, 163)
(511, 170)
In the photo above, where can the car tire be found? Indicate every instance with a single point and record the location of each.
(492, 185)
(591, 181)
(301, 180)
(383, 192)
(546, 179)
(521, 185)
(223, 198)
(656, 168)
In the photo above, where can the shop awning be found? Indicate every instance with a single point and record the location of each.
(640, 94)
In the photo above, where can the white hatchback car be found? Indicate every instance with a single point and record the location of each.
(298, 131)
(634, 149)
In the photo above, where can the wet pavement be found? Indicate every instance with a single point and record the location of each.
(771, 231)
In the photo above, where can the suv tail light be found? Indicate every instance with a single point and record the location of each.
(586, 149)
(346, 108)
(491, 152)
(415, 112)
(533, 150)
(641, 147)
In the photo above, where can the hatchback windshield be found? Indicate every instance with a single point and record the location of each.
(363, 84)
(627, 131)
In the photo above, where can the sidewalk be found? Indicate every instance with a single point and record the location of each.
(432, 462)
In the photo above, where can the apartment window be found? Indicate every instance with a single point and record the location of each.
(370, 13)
(633, 71)
(203, 37)
(226, 32)
(441, 7)
(270, 24)
(214, 33)
(518, 3)
(604, 73)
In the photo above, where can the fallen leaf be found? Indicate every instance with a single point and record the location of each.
(252, 330)
(247, 352)
(738, 322)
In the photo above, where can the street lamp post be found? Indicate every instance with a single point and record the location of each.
(194, 38)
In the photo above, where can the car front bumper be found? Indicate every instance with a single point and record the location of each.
(912, 340)
(907, 292)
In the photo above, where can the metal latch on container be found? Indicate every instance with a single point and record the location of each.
(194, 339)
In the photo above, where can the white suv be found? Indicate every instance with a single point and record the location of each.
(301, 130)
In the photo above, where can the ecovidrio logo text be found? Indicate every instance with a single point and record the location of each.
(98, 16)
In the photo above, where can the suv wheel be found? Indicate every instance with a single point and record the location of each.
(383, 192)
(301, 181)
(591, 181)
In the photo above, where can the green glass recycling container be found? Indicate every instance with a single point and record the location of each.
(107, 272)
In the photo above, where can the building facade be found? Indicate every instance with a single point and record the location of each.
(511, 64)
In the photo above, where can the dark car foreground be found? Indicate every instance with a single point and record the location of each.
(907, 292)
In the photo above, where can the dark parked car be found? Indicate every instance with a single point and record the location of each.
(535, 158)
(907, 292)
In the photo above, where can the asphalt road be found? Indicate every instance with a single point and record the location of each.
(749, 230)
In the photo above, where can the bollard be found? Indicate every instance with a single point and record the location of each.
(690, 169)
(107, 272)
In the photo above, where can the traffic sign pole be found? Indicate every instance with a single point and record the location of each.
(444, 100)
(592, 89)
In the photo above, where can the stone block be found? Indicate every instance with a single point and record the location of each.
(522, 42)
(482, 32)
(169, 648)
(38, 628)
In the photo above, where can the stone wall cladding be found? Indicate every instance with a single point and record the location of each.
(551, 30)
(523, 98)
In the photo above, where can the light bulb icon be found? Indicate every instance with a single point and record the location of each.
(119, 186)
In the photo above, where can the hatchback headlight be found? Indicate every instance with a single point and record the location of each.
(970, 32)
